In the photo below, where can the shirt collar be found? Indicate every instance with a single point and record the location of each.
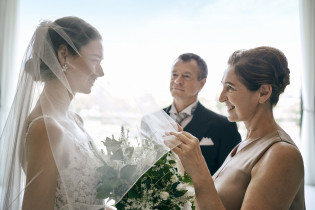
(188, 110)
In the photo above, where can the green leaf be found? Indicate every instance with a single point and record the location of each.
(120, 206)
(127, 171)
(165, 208)
(129, 152)
(133, 193)
(171, 161)
(168, 188)
(108, 173)
(147, 183)
(193, 207)
(175, 185)
(179, 193)
(104, 191)
(187, 179)
(120, 188)
(102, 169)
(111, 142)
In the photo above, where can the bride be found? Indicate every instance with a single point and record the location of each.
(49, 154)
(48, 159)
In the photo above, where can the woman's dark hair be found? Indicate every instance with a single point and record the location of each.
(262, 65)
(80, 33)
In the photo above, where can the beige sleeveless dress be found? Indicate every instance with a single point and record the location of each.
(232, 179)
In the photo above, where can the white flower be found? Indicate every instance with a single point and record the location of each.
(187, 206)
(190, 191)
(174, 179)
(180, 186)
(164, 195)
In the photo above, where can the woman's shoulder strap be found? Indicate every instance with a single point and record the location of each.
(30, 124)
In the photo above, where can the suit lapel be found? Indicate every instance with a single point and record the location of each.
(167, 109)
(199, 123)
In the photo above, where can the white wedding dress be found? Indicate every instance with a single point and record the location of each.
(79, 177)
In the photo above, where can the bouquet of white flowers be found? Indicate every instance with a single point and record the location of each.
(161, 187)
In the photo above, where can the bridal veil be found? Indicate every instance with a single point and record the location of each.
(50, 92)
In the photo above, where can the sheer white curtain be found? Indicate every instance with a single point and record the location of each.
(8, 20)
(307, 18)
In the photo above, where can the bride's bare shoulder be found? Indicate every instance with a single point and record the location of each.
(39, 125)
(36, 113)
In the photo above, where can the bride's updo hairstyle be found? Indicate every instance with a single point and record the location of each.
(262, 65)
(79, 32)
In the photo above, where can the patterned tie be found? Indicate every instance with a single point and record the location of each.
(180, 117)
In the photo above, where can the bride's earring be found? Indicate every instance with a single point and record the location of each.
(65, 67)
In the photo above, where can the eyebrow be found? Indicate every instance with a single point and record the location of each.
(96, 55)
(183, 73)
(229, 83)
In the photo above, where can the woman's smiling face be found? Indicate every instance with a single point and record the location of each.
(241, 103)
(85, 68)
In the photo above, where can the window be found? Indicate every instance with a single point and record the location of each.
(142, 39)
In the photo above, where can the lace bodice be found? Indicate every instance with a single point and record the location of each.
(82, 181)
(78, 181)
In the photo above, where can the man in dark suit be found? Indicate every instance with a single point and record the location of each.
(216, 134)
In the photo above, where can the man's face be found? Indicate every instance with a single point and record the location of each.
(184, 83)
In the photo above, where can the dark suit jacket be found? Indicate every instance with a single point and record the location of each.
(224, 134)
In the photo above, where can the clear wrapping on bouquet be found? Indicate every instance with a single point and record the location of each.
(129, 138)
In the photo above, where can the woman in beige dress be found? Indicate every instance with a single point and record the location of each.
(265, 171)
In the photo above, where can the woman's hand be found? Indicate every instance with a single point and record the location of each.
(187, 147)
(189, 152)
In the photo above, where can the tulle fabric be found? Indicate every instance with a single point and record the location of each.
(76, 124)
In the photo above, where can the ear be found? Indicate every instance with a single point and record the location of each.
(265, 93)
(62, 54)
(202, 83)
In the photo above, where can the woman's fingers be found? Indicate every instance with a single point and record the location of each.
(180, 136)
(178, 151)
(182, 143)
(179, 127)
(185, 137)
(171, 141)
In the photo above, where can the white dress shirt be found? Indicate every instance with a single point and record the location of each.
(188, 110)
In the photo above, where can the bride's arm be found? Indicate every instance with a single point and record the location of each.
(41, 170)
